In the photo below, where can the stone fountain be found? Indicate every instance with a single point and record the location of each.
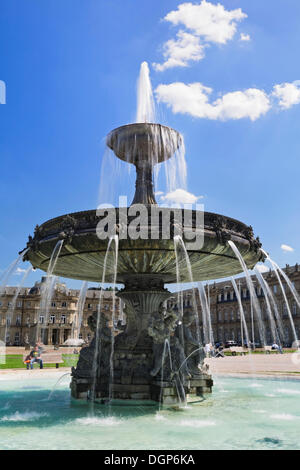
(141, 368)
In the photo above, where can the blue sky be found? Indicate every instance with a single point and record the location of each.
(70, 70)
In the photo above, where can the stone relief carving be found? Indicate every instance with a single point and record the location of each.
(191, 343)
(161, 325)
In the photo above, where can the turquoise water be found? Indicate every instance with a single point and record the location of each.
(240, 414)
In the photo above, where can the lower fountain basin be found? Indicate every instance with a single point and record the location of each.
(267, 414)
(82, 254)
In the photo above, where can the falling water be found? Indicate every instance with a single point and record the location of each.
(242, 313)
(113, 329)
(97, 339)
(48, 289)
(178, 243)
(11, 309)
(165, 141)
(208, 332)
(269, 298)
(277, 270)
(145, 101)
(9, 271)
(285, 277)
(162, 374)
(253, 296)
(176, 378)
(56, 384)
(76, 326)
(176, 169)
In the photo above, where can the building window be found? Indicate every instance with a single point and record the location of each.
(90, 306)
(106, 307)
(80, 336)
(17, 337)
(63, 319)
(52, 319)
(42, 319)
(8, 321)
(18, 321)
(284, 310)
(219, 297)
(28, 304)
(64, 304)
(294, 308)
(53, 304)
(275, 288)
(19, 304)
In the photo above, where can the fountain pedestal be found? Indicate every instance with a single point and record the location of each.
(141, 368)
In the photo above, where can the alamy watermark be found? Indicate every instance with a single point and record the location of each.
(2, 92)
(140, 221)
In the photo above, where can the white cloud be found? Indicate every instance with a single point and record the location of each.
(20, 271)
(193, 99)
(179, 52)
(205, 23)
(262, 268)
(245, 37)
(211, 22)
(288, 94)
(286, 248)
(180, 196)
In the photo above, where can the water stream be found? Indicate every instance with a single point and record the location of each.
(11, 308)
(97, 338)
(254, 300)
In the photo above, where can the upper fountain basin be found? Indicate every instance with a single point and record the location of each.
(83, 253)
(144, 142)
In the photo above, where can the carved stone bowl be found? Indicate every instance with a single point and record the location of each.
(82, 254)
(149, 142)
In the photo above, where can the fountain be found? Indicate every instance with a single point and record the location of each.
(135, 364)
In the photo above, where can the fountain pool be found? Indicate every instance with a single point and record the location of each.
(241, 413)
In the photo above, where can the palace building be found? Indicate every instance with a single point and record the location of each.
(21, 313)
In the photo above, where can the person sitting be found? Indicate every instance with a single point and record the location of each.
(275, 347)
(35, 356)
(27, 361)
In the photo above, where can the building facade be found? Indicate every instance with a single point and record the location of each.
(23, 319)
(227, 322)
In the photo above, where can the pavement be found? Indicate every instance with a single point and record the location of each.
(276, 365)
(21, 374)
(269, 365)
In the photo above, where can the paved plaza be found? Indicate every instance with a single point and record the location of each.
(257, 364)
